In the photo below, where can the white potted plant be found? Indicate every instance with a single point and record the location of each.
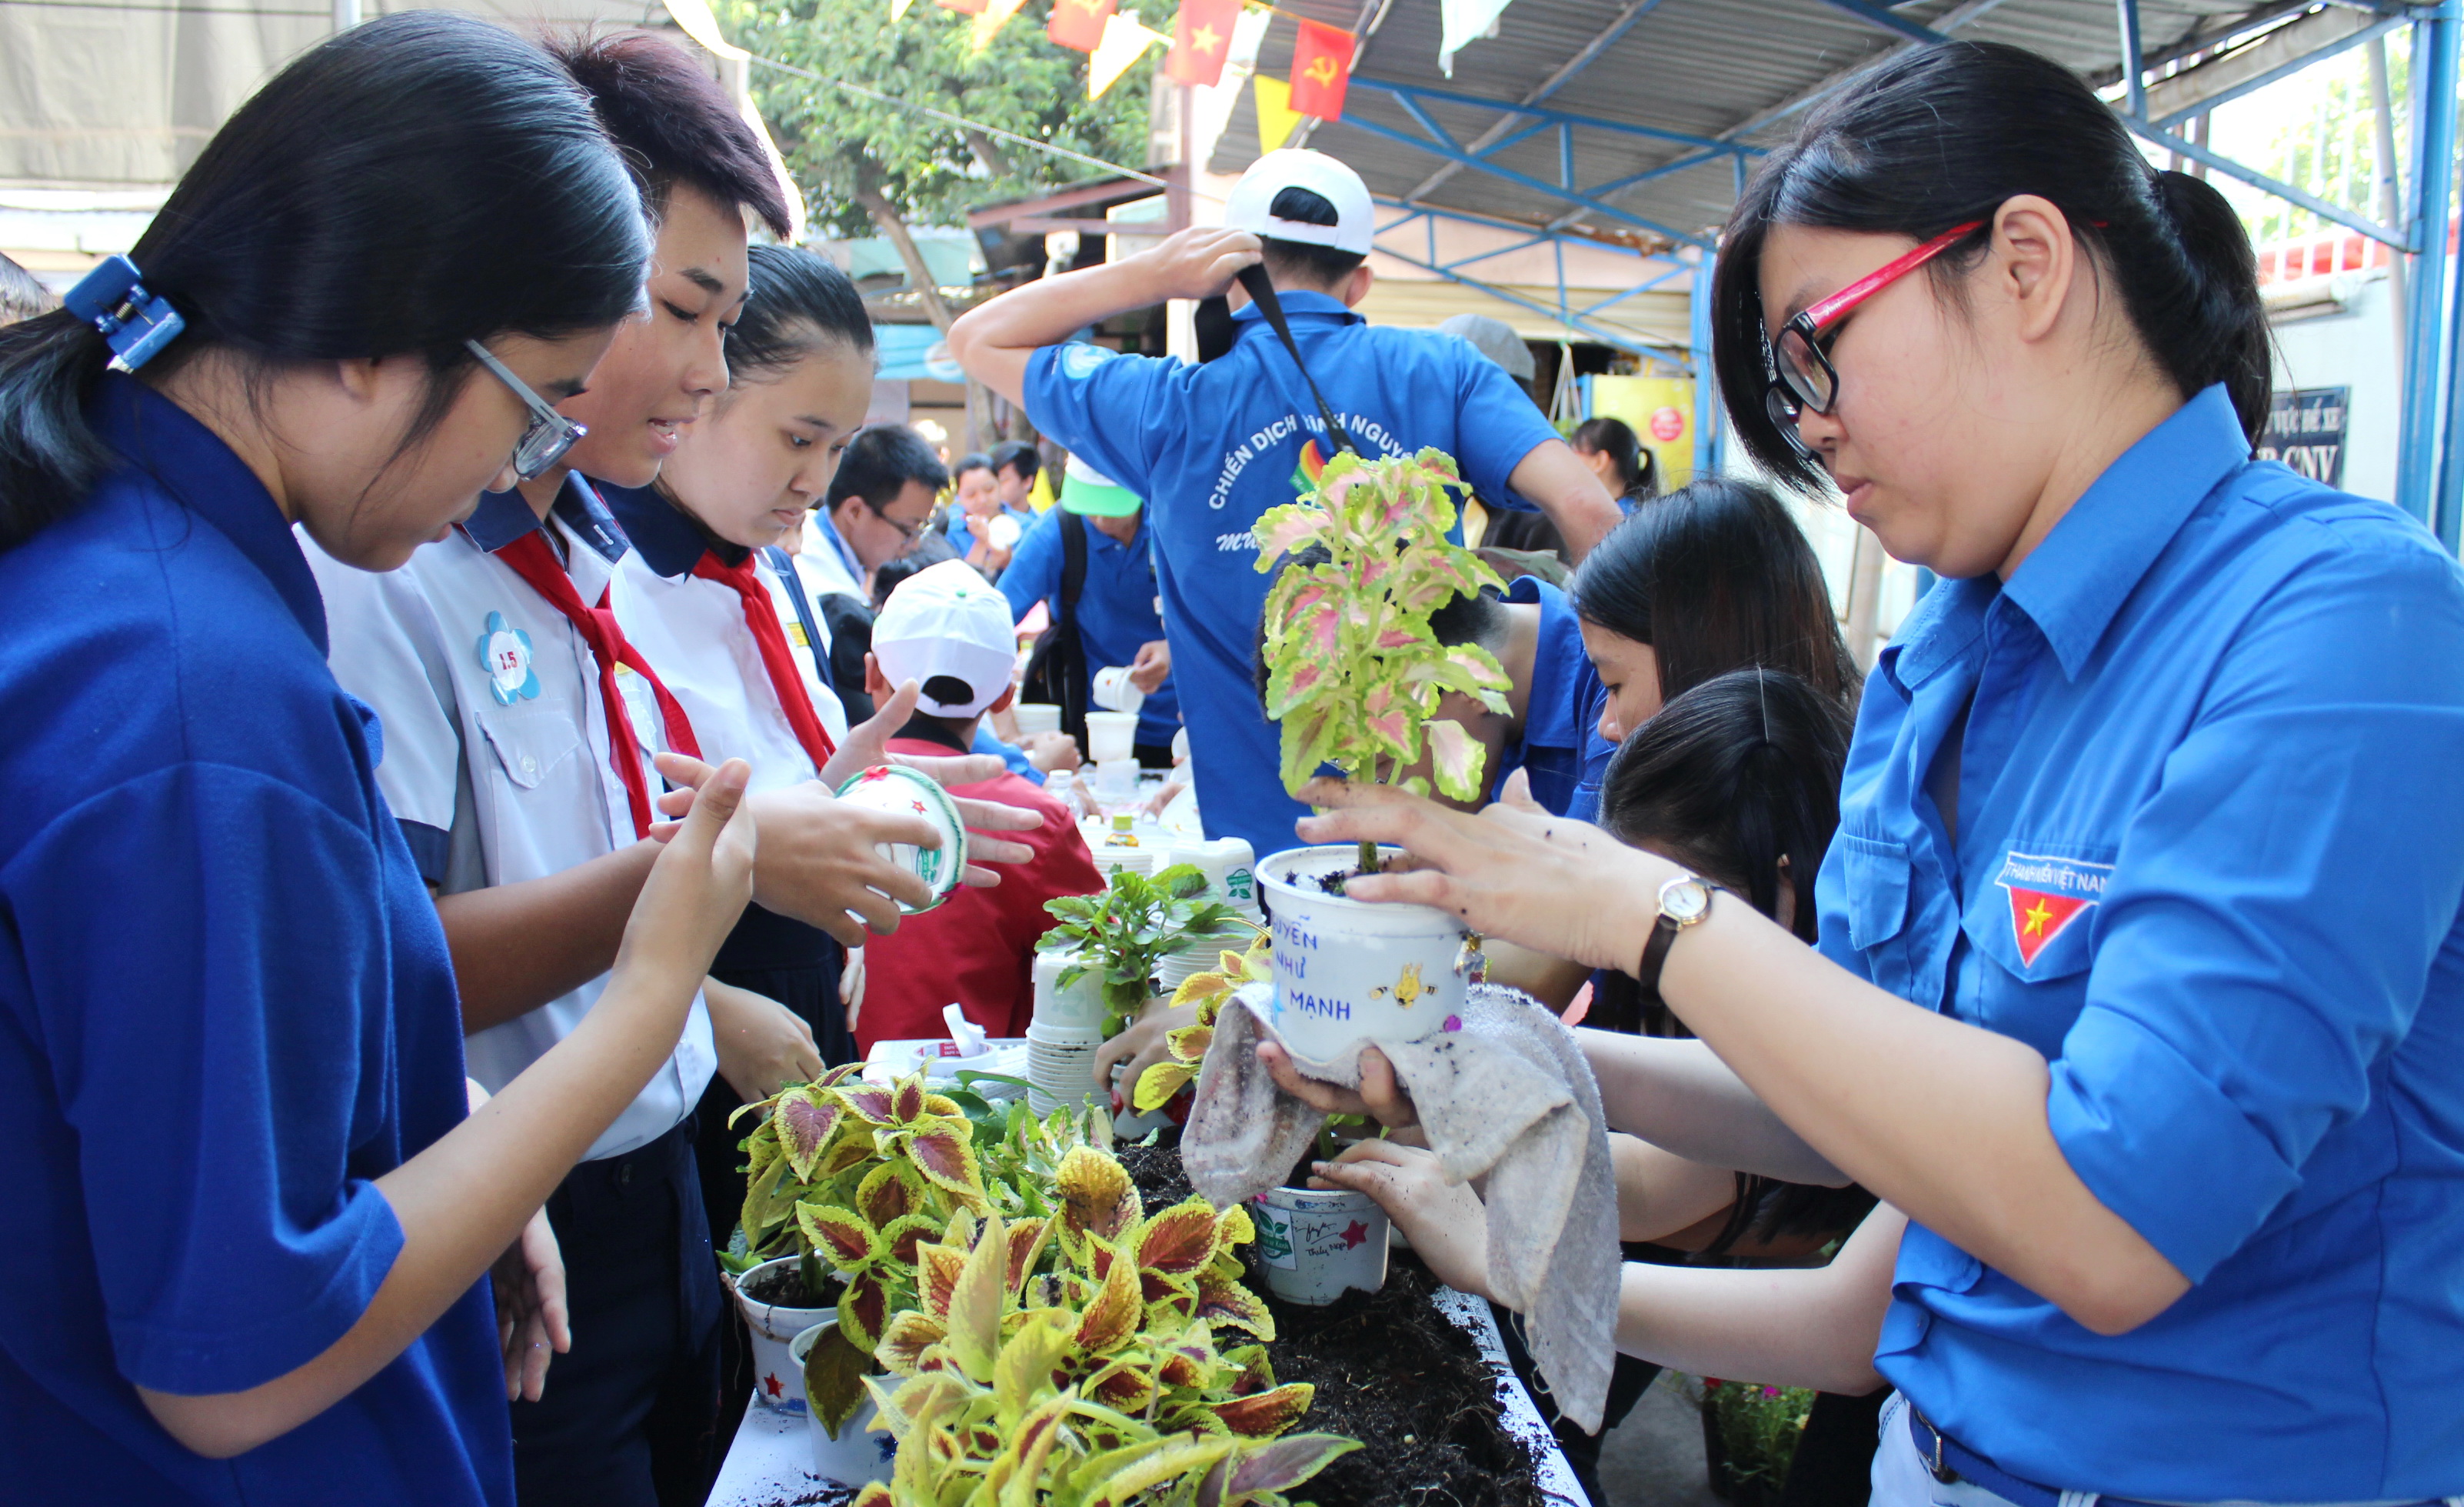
(1354, 675)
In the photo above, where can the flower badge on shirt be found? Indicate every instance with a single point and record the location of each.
(505, 653)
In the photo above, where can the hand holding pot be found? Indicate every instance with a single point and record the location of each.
(1444, 1221)
(1141, 1043)
(1379, 1095)
(1514, 871)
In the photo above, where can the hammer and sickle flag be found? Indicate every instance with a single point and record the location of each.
(1321, 67)
(1078, 23)
(1202, 39)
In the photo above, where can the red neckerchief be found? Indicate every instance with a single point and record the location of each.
(535, 561)
(768, 637)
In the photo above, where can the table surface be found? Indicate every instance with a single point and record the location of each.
(772, 1458)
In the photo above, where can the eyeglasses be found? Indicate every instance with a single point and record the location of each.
(910, 532)
(1802, 377)
(549, 433)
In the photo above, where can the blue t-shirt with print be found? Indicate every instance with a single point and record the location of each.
(1212, 447)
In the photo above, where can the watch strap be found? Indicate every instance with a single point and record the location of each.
(1655, 953)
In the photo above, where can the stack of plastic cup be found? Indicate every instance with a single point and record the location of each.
(1111, 860)
(1062, 1039)
(1111, 735)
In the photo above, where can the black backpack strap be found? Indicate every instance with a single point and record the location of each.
(1073, 571)
(1262, 292)
(816, 642)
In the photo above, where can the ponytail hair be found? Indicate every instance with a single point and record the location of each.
(419, 181)
(801, 303)
(1946, 134)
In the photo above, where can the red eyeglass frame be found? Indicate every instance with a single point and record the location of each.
(1794, 376)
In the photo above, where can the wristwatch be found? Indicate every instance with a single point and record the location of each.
(1684, 902)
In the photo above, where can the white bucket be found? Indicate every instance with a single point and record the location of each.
(778, 1373)
(1036, 717)
(1346, 972)
(1111, 735)
(1315, 1245)
(1112, 690)
(861, 1452)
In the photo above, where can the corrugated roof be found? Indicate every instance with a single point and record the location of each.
(1705, 68)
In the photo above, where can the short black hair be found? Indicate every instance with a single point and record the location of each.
(800, 302)
(1019, 455)
(674, 124)
(1304, 263)
(879, 463)
(22, 295)
(972, 460)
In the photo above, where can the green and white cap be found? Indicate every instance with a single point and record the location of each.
(1086, 490)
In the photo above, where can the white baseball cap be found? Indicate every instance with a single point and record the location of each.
(946, 624)
(1251, 205)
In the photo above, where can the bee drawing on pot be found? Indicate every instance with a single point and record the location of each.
(1470, 962)
(1405, 989)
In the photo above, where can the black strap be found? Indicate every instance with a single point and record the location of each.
(1262, 292)
(1074, 573)
(816, 643)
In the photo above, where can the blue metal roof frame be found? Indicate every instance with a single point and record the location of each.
(1638, 120)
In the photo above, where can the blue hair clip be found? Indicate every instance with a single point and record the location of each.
(134, 323)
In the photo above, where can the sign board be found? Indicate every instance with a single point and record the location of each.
(1661, 410)
(2305, 430)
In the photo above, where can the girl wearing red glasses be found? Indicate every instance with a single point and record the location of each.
(2140, 983)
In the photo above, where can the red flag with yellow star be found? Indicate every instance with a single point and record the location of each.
(1321, 67)
(1078, 23)
(1201, 37)
(2048, 893)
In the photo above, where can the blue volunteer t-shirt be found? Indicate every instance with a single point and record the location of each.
(1591, 702)
(226, 1008)
(1551, 750)
(2209, 862)
(1212, 447)
(1115, 611)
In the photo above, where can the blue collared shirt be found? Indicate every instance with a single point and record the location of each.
(1550, 750)
(1591, 702)
(1115, 611)
(1212, 447)
(226, 1010)
(2209, 861)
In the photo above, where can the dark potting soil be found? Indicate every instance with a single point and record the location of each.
(1392, 1372)
(783, 1286)
(829, 1493)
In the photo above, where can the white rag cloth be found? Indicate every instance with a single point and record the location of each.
(1509, 1096)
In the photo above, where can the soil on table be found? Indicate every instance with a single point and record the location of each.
(1392, 1372)
(829, 1493)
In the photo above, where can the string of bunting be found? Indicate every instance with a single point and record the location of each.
(1196, 48)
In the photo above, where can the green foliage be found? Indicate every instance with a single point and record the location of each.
(843, 146)
(1758, 1428)
(851, 1175)
(1208, 991)
(1100, 1382)
(1354, 673)
(1135, 924)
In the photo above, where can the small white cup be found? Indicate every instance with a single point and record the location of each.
(1116, 781)
(1112, 691)
(1111, 735)
(1036, 717)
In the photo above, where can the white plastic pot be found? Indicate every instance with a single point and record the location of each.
(1316, 1245)
(778, 1373)
(1346, 972)
(1110, 735)
(861, 1452)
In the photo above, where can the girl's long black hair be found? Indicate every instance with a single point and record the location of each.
(422, 180)
(800, 303)
(1944, 135)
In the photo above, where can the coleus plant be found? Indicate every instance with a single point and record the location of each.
(1129, 928)
(1354, 671)
(1209, 992)
(1099, 1383)
(852, 1176)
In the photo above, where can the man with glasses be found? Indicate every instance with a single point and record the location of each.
(876, 507)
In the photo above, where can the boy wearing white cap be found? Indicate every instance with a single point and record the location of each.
(1212, 447)
(948, 630)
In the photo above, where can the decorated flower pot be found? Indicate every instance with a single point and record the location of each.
(1315, 1245)
(897, 788)
(778, 1373)
(1347, 972)
(859, 1453)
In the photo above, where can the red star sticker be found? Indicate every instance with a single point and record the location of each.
(772, 1383)
(1355, 1233)
(919, 807)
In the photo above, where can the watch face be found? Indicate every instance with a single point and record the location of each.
(1684, 901)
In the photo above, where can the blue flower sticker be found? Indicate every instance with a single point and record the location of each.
(505, 653)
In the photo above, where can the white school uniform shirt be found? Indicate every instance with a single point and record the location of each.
(825, 562)
(693, 633)
(496, 749)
